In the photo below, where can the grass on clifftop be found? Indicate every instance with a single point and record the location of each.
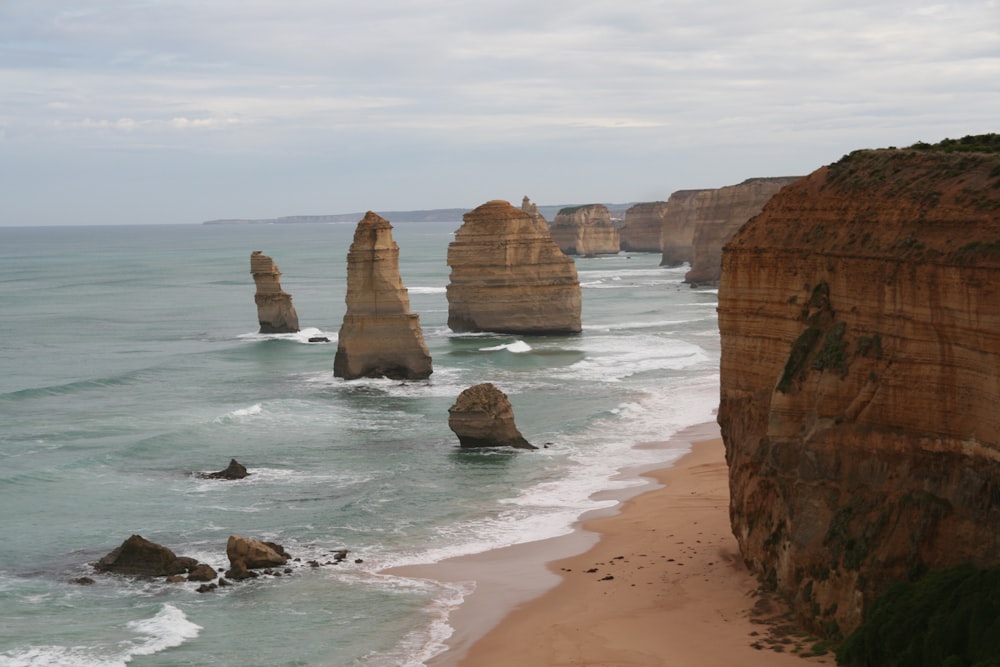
(973, 143)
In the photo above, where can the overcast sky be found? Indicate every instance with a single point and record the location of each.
(180, 111)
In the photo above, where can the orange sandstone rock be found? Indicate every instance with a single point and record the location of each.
(585, 230)
(509, 276)
(275, 311)
(860, 377)
(379, 337)
(643, 227)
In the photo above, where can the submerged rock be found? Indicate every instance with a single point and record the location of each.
(275, 311)
(482, 416)
(235, 470)
(379, 337)
(509, 276)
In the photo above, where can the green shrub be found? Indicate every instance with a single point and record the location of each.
(949, 617)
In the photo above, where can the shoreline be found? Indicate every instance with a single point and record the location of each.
(655, 580)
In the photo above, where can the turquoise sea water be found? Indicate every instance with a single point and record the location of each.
(129, 359)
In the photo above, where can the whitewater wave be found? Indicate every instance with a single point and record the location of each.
(517, 347)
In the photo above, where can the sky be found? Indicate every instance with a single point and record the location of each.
(182, 111)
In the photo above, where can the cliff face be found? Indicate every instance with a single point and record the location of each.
(585, 230)
(509, 276)
(718, 214)
(379, 337)
(677, 228)
(860, 323)
(275, 312)
(643, 227)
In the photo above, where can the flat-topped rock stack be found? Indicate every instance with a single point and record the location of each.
(677, 228)
(718, 215)
(643, 227)
(585, 230)
(275, 311)
(509, 276)
(379, 337)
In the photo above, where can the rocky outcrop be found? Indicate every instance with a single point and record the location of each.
(379, 337)
(482, 416)
(509, 276)
(718, 214)
(275, 311)
(860, 330)
(246, 554)
(235, 470)
(139, 556)
(643, 227)
(677, 229)
(585, 230)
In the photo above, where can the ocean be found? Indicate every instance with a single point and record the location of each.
(130, 360)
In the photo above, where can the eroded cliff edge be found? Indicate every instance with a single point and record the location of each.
(860, 327)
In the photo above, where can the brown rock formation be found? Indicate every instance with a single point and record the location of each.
(677, 229)
(275, 311)
(718, 214)
(532, 209)
(483, 417)
(860, 323)
(379, 337)
(509, 276)
(139, 556)
(643, 227)
(253, 554)
(585, 230)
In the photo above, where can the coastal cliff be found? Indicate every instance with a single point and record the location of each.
(585, 230)
(717, 215)
(275, 312)
(859, 315)
(677, 228)
(379, 337)
(509, 276)
(643, 227)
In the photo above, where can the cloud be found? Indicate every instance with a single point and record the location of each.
(505, 85)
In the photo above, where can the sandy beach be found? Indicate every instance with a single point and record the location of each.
(658, 583)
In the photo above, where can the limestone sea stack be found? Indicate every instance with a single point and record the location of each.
(585, 230)
(275, 311)
(677, 228)
(532, 209)
(643, 227)
(509, 276)
(860, 336)
(379, 337)
(718, 214)
(482, 416)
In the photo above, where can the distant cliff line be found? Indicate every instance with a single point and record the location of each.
(430, 215)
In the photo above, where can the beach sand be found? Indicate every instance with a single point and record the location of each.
(659, 583)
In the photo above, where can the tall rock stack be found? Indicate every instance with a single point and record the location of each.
(643, 227)
(677, 230)
(585, 230)
(860, 329)
(379, 337)
(718, 214)
(509, 276)
(275, 311)
(532, 209)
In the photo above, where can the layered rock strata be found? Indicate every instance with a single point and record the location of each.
(482, 416)
(275, 311)
(677, 228)
(860, 329)
(509, 276)
(718, 214)
(585, 230)
(643, 227)
(379, 337)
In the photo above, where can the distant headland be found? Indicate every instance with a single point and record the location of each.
(430, 215)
